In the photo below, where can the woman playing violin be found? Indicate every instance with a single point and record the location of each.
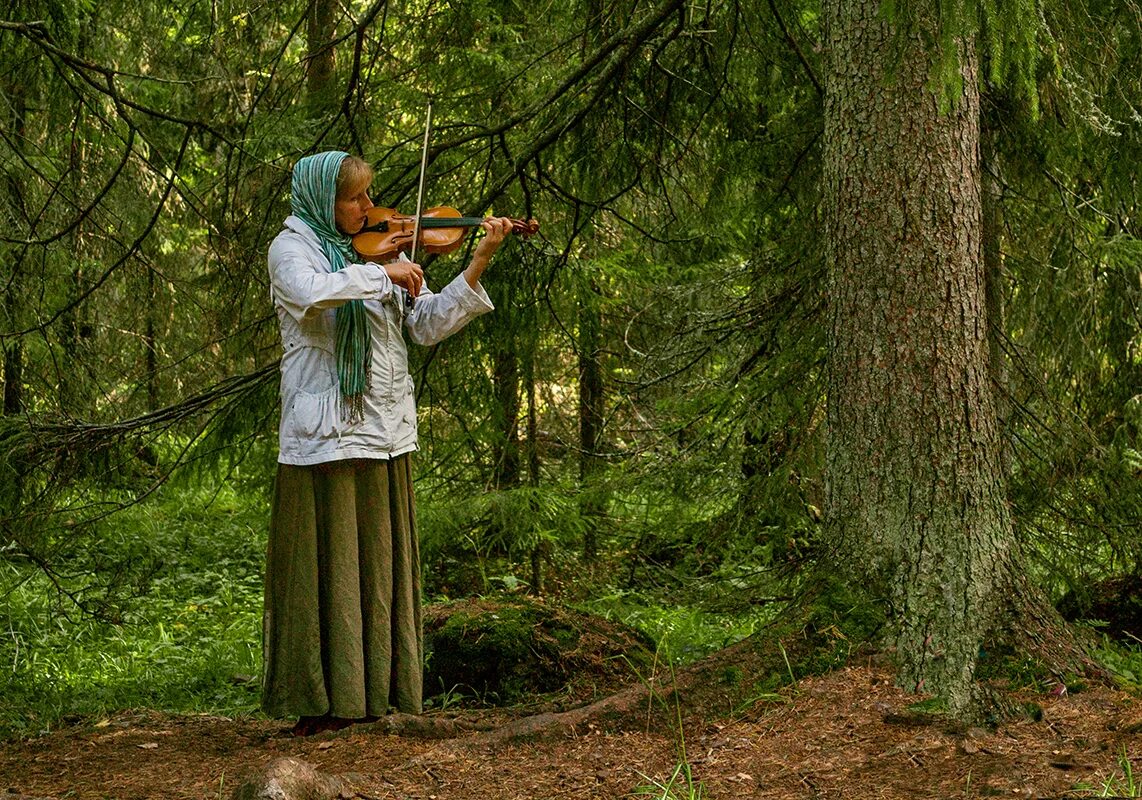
(342, 628)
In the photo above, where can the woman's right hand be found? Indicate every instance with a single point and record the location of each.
(406, 274)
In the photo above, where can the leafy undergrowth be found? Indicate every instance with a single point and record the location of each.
(190, 641)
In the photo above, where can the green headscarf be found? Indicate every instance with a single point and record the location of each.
(312, 196)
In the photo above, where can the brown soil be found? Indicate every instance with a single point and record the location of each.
(847, 734)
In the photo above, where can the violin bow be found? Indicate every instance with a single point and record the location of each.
(420, 188)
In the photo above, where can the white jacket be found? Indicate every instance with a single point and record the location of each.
(306, 294)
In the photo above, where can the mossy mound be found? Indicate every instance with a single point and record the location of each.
(505, 651)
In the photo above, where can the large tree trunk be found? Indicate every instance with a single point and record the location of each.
(75, 384)
(541, 550)
(916, 502)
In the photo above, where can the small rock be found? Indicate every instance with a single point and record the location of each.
(290, 779)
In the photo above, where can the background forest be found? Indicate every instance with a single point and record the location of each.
(639, 427)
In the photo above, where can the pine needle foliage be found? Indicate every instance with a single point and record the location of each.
(1014, 38)
(672, 154)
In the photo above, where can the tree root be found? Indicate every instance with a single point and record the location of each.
(654, 702)
(651, 704)
(416, 726)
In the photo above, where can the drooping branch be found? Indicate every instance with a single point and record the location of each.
(103, 79)
(81, 213)
(132, 250)
(37, 443)
(796, 48)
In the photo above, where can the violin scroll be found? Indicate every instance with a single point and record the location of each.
(525, 227)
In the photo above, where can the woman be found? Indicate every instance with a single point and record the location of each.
(342, 631)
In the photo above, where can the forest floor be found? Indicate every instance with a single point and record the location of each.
(845, 734)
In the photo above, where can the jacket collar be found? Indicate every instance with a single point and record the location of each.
(297, 225)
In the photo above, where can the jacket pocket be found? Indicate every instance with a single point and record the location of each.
(311, 394)
(315, 416)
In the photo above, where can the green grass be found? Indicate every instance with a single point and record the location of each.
(190, 643)
(681, 784)
(683, 633)
(1120, 783)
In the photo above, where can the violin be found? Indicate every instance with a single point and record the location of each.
(387, 232)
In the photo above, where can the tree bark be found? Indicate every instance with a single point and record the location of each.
(75, 396)
(916, 503)
(15, 90)
(541, 549)
(505, 379)
(150, 343)
(321, 25)
(13, 376)
(591, 394)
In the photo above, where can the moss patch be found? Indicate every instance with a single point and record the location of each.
(502, 651)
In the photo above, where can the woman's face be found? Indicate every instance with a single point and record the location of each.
(349, 209)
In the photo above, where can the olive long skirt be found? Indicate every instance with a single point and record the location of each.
(342, 628)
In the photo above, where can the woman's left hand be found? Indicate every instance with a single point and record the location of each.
(496, 230)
